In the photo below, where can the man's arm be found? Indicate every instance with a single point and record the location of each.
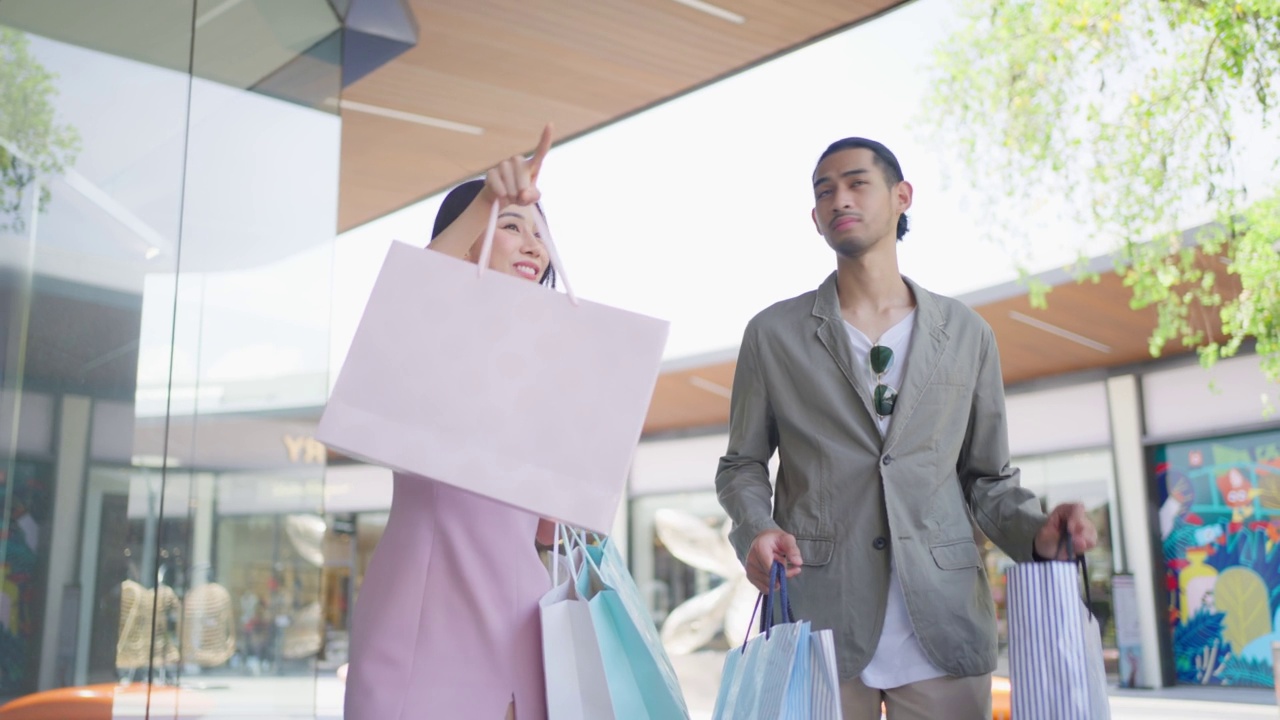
(742, 480)
(1009, 514)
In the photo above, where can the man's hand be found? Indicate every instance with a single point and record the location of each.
(1084, 536)
(514, 181)
(769, 546)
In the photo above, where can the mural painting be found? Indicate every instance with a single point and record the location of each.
(1220, 527)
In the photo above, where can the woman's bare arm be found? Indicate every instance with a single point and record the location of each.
(513, 181)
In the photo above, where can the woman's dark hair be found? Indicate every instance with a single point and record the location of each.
(458, 200)
(884, 157)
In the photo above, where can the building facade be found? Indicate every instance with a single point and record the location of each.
(1176, 465)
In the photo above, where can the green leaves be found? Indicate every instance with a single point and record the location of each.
(1131, 112)
(32, 143)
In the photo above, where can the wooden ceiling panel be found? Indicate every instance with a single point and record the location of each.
(508, 66)
(691, 398)
(1042, 343)
(1095, 312)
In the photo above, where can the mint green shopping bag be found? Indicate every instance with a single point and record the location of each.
(642, 681)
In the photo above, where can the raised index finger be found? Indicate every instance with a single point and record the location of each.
(544, 146)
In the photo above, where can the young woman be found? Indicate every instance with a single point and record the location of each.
(446, 623)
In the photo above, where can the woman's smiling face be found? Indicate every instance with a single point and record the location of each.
(517, 244)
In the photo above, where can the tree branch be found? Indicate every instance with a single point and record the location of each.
(1208, 55)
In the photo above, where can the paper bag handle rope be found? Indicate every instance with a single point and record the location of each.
(777, 579)
(563, 538)
(1078, 558)
(486, 248)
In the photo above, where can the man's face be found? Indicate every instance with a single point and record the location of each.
(855, 207)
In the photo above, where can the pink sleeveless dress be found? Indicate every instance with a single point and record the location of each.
(446, 622)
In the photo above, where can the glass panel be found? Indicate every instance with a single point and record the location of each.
(241, 42)
(1220, 523)
(248, 375)
(1084, 477)
(155, 32)
(107, 138)
(164, 358)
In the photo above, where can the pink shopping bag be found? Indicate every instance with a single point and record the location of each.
(496, 385)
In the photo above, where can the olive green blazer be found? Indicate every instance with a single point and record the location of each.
(851, 499)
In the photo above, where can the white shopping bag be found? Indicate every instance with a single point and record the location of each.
(577, 688)
(496, 385)
(1055, 645)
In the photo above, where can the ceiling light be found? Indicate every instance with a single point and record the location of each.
(209, 16)
(152, 252)
(1060, 332)
(427, 120)
(154, 461)
(711, 387)
(715, 10)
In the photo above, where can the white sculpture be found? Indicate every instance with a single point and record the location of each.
(727, 607)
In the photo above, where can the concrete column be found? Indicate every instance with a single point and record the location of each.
(1136, 532)
(201, 558)
(68, 491)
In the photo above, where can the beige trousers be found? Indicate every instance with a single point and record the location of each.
(944, 698)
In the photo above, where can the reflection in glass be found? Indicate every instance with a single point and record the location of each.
(165, 260)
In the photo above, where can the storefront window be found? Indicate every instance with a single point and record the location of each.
(276, 593)
(683, 563)
(167, 223)
(1220, 524)
(1083, 477)
(698, 592)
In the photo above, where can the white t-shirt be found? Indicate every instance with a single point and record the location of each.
(899, 660)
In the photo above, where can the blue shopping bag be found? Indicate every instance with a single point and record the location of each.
(642, 682)
(787, 672)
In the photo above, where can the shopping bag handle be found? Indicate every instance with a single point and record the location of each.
(1065, 543)
(778, 580)
(486, 248)
(561, 536)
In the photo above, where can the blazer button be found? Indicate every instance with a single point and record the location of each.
(879, 543)
(887, 459)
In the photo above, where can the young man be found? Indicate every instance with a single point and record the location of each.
(886, 406)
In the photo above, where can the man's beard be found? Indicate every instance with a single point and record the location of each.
(851, 248)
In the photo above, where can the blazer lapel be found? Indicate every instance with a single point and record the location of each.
(834, 336)
(928, 346)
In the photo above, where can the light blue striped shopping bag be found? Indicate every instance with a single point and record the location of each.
(787, 672)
